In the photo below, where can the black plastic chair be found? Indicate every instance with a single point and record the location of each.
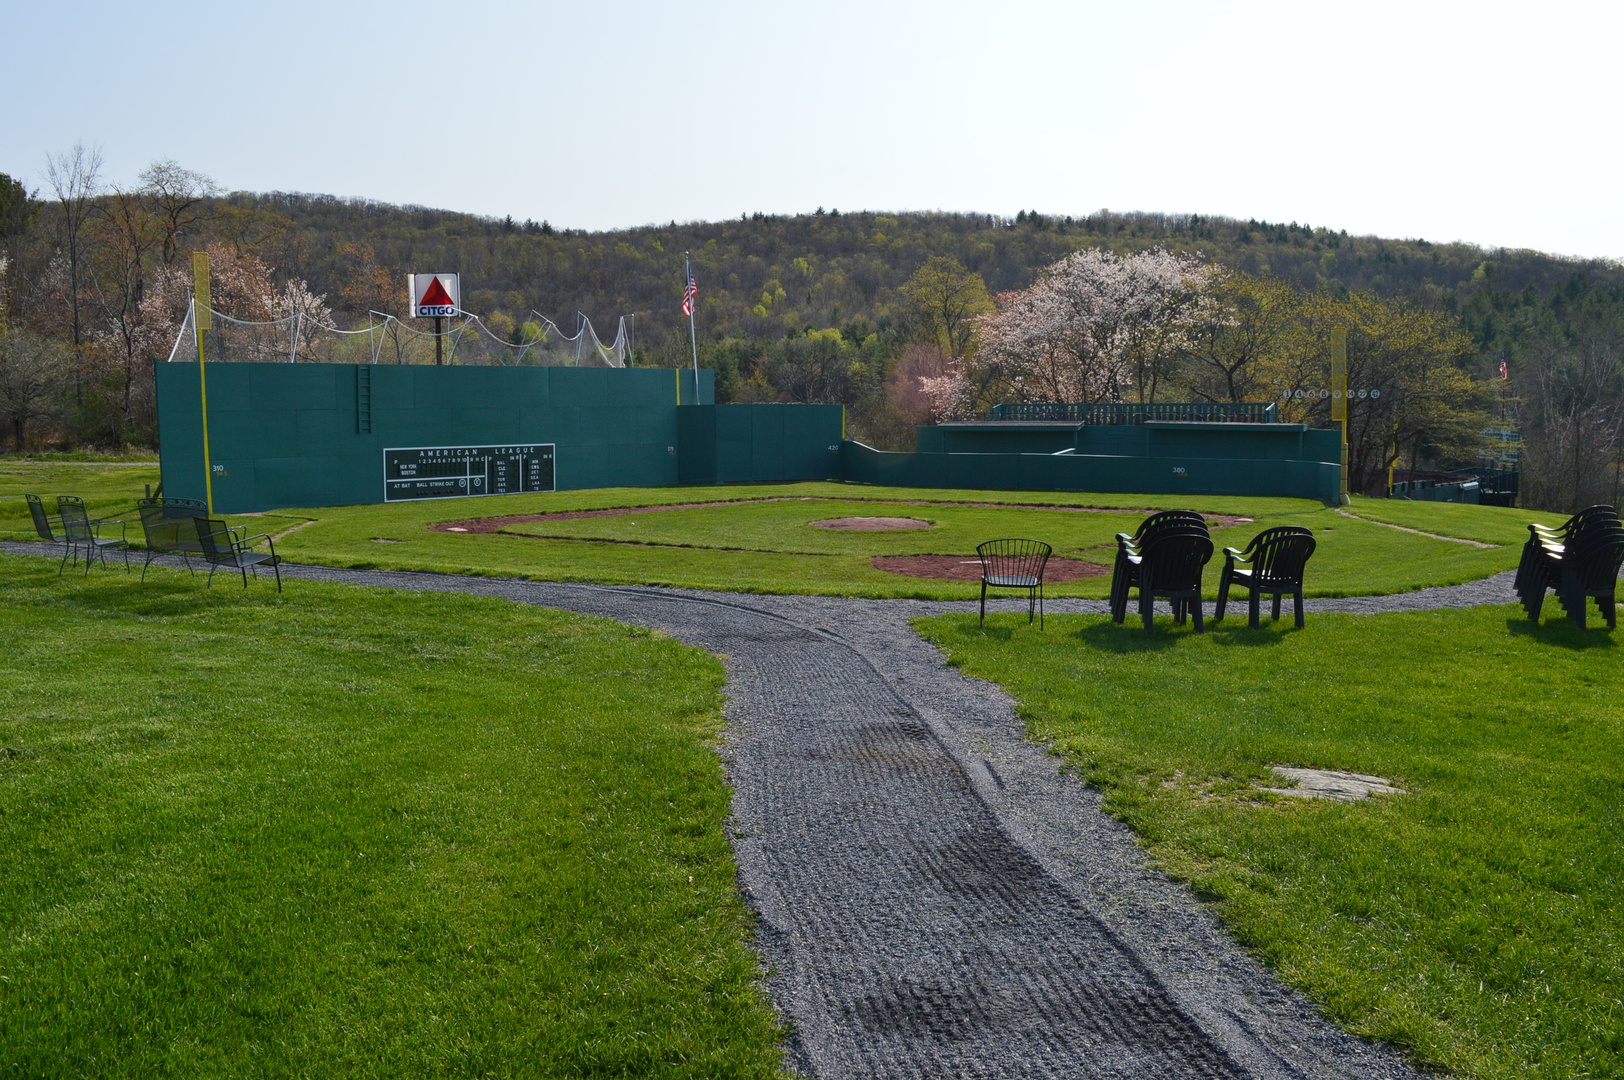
(1540, 567)
(1273, 566)
(1124, 574)
(84, 532)
(1014, 564)
(1169, 566)
(1589, 570)
(224, 546)
(48, 526)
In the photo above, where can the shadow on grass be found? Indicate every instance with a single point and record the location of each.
(110, 591)
(1563, 632)
(1131, 637)
(1237, 632)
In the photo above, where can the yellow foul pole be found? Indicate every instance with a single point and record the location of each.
(200, 323)
(1339, 396)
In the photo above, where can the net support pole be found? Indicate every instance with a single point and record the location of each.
(200, 323)
(1339, 397)
(437, 359)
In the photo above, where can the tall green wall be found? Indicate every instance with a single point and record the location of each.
(1179, 463)
(290, 435)
(725, 444)
(314, 434)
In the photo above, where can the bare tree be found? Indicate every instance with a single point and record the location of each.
(1572, 389)
(33, 380)
(180, 199)
(74, 177)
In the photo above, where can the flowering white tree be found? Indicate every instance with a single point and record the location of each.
(1095, 326)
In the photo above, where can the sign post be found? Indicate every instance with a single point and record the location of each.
(437, 297)
(1339, 396)
(201, 322)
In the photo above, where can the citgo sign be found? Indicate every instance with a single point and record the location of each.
(434, 295)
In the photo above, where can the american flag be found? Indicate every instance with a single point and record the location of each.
(688, 295)
(1504, 374)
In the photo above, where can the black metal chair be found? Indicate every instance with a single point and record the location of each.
(1540, 567)
(1271, 565)
(84, 532)
(1014, 564)
(1169, 565)
(224, 546)
(167, 526)
(1124, 572)
(49, 526)
(1589, 570)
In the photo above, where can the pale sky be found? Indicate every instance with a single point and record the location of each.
(1489, 122)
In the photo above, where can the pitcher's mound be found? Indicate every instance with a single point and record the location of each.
(873, 524)
(958, 568)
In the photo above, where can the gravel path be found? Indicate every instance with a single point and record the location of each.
(936, 898)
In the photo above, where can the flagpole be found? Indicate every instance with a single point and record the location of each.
(693, 337)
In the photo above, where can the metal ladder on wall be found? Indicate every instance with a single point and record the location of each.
(363, 399)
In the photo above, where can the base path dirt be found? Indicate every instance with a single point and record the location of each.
(958, 568)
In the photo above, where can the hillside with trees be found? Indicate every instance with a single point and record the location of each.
(868, 309)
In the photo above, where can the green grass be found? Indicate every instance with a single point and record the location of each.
(771, 547)
(109, 488)
(351, 832)
(1477, 919)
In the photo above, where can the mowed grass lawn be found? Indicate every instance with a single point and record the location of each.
(360, 833)
(763, 539)
(1478, 919)
(771, 546)
(109, 488)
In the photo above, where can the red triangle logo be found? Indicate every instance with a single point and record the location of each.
(436, 296)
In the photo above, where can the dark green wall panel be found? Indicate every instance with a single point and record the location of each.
(1088, 472)
(290, 434)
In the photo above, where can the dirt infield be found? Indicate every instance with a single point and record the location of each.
(959, 568)
(870, 524)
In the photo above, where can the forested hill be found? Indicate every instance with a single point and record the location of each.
(763, 277)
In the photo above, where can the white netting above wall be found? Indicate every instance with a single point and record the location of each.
(307, 339)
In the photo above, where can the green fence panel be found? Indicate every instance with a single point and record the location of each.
(726, 444)
(315, 434)
(1086, 472)
(993, 438)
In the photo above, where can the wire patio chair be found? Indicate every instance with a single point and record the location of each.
(1014, 564)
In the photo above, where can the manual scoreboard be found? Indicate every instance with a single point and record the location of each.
(453, 472)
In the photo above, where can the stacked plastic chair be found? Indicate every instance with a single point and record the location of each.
(1580, 560)
(1164, 558)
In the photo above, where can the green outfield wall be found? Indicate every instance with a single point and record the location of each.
(1156, 458)
(285, 435)
(297, 435)
(728, 444)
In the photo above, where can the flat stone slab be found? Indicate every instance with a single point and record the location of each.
(1331, 784)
